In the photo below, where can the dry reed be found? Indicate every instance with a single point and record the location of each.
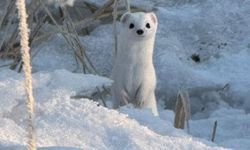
(25, 49)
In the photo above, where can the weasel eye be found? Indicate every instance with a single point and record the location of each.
(148, 25)
(131, 26)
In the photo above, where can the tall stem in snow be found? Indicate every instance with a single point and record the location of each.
(114, 25)
(24, 40)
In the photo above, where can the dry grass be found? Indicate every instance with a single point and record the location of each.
(182, 110)
(40, 14)
(98, 95)
(68, 30)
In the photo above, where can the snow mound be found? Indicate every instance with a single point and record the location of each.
(66, 123)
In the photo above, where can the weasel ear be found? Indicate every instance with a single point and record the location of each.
(153, 17)
(125, 17)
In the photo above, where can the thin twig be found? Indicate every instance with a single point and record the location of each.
(115, 28)
(214, 131)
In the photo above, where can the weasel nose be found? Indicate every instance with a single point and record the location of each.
(139, 32)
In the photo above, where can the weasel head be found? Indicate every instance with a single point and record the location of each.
(139, 25)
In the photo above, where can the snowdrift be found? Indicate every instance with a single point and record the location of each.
(72, 124)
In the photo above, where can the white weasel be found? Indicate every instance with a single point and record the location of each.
(133, 72)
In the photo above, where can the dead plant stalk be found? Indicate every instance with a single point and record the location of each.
(24, 42)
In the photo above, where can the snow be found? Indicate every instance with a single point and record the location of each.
(56, 54)
(233, 124)
(81, 123)
(217, 31)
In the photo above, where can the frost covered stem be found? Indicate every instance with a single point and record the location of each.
(24, 40)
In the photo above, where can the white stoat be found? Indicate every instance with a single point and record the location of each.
(133, 72)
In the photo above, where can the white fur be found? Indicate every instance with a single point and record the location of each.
(133, 72)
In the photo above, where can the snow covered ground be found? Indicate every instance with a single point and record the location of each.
(217, 33)
(66, 123)
(80, 123)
